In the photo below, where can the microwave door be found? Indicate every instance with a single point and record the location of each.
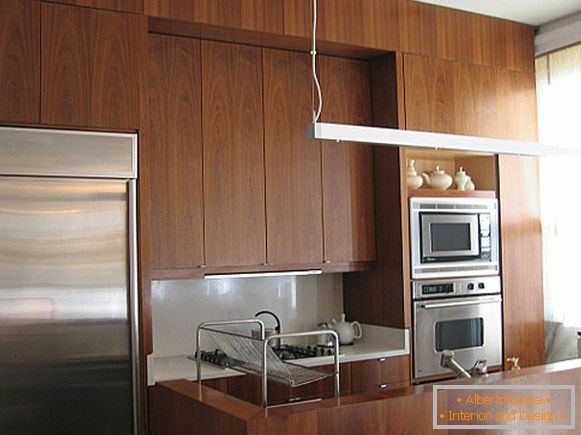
(447, 236)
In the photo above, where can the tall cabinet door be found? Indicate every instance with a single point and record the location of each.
(232, 129)
(20, 61)
(90, 67)
(348, 211)
(522, 277)
(293, 163)
(171, 139)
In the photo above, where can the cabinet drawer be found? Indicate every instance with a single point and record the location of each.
(380, 387)
(378, 374)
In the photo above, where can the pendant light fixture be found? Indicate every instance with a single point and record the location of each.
(415, 139)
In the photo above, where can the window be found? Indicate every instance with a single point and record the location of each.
(559, 112)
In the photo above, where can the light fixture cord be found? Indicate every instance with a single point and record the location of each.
(317, 113)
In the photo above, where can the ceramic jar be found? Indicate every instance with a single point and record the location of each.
(414, 181)
(461, 179)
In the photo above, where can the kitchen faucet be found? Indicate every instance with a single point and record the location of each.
(478, 369)
(276, 341)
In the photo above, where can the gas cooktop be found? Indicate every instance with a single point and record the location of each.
(285, 353)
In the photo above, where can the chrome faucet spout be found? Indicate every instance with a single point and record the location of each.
(447, 361)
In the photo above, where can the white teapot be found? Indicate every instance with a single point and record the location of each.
(347, 331)
(439, 179)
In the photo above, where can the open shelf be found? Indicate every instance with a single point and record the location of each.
(481, 168)
(450, 193)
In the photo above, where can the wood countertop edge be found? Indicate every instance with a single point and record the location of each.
(249, 412)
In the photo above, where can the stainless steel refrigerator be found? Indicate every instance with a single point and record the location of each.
(68, 299)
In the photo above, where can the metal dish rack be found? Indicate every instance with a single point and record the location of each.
(255, 356)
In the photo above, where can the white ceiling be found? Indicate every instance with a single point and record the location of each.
(533, 12)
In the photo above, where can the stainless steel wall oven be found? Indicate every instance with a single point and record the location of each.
(464, 316)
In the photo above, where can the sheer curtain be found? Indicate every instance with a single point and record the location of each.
(559, 113)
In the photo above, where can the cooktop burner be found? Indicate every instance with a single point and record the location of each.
(286, 352)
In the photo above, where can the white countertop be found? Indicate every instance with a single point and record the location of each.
(377, 342)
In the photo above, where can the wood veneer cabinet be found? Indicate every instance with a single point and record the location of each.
(294, 220)
(365, 23)
(257, 15)
(172, 138)
(461, 98)
(134, 6)
(347, 168)
(457, 35)
(380, 374)
(233, 131)
(90, 67)
(521, 243)
(20, 61)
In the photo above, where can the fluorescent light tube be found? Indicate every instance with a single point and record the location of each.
(421, 139)
(264, 274)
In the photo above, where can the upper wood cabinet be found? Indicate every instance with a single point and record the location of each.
(347, 168)
(293, 163)
(429, 94)
(19, 61)
(171, 140)
(461, 98)
(259, 15)
(232, 128)
(90, 67)
(365, 23)
(522, 277)
(457, 35)
(134, 6)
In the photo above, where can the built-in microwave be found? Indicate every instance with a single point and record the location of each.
(453, 237)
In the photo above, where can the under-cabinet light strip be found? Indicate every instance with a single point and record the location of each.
(420, 139)
(265, 274)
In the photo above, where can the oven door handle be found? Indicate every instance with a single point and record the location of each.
(433, 305)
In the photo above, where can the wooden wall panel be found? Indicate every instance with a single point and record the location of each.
(259, 15)
(429, 94)
(90, 65)
(368, 23)
(364, 23)
(20, 61)
(417, 28)
(134, 6)
(348, 212)
(471, 38)
(232, 126)
(172, 134)
(293, 163)
(382, 296)
(520, 52)
(517, 105)
(522, 276)
(469, 99)
(474, 101)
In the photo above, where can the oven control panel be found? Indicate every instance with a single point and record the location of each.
(428, 289)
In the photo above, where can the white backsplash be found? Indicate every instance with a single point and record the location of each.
(301, 302)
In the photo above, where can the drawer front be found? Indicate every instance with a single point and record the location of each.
(379, 373)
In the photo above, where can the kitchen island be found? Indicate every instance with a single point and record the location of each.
(185, 407)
